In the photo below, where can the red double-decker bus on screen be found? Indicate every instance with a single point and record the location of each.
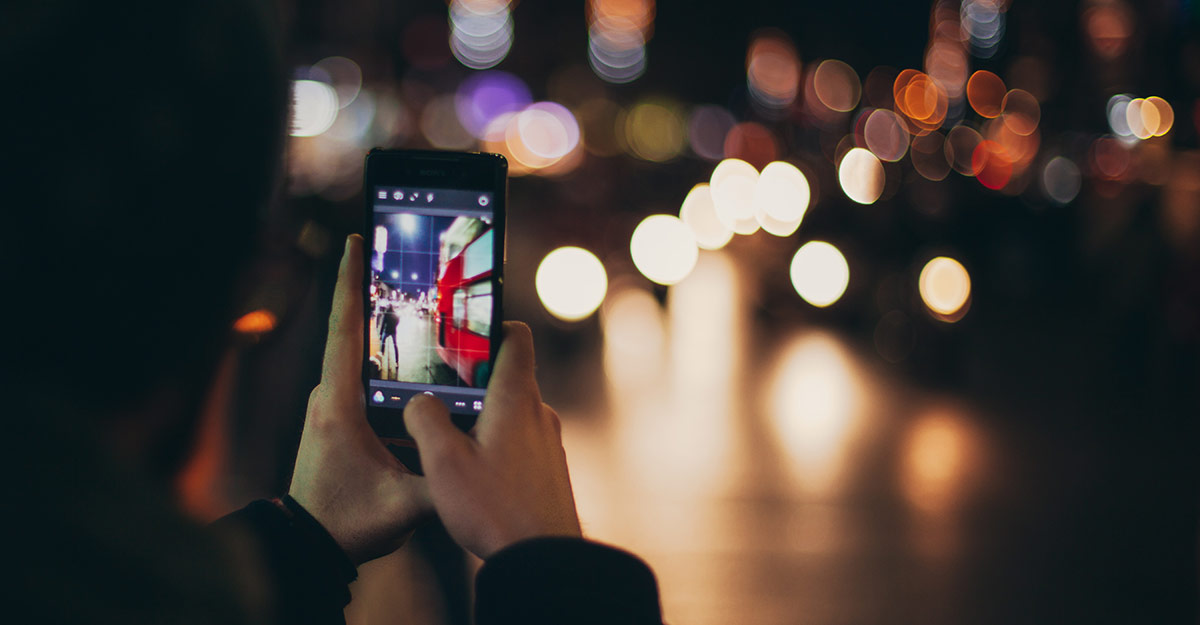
(464, 305)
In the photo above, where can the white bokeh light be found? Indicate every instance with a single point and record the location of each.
(314, 107)
(781, 197)
(571, 283)
(733, 181)
(700, 214)
(861, 176)
(664, 249)
(819, 273)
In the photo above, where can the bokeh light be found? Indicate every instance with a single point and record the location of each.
(1166, 115)
(945, 287)
(344, 75)
(732, 184)
(861, 175)
(1108, 25)
(936, 462)
(617, 56)
(571, 283)
(314, 107)
(928, 156)
(255, 322)
(983, 23)
(819, 273)
(751, 142)
(985, 92)
(1061, 180)
(483, 97)
(707, 128)
(699, 212)
(772, 70)
(663, 249)
(781, 197)
(991, 165)
(836, 85)
(816, 402)
(542, 134)
(961, 142)
(1117, 106)
(654, 130)
(617, 35)
(481, 32)
(1022, 113)
(885, 135)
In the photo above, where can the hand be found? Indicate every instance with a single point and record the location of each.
(344, 476)
(507, 480)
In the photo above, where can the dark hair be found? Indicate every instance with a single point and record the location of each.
(142, 144)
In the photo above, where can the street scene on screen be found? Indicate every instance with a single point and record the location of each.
(431, 299)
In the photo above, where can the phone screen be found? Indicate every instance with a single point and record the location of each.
(432, 296)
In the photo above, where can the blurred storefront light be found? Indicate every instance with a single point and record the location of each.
(814, 400)
(571, 283)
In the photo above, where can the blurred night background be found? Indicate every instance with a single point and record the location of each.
(869, 312)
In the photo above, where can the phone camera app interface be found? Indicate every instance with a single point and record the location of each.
(431, 299)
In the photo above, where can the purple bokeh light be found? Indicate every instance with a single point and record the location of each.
(486, 96)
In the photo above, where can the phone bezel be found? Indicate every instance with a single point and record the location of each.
(474, 171)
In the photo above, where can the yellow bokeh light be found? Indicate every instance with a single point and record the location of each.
(664, 249)
(571, 283)
(861, 175)
(819, 273)
(655, 131)
(945, 288)
(781, 197)
(1166, 115)
(732, 183)
(700, 214)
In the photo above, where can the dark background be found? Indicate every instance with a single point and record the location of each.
(1078, 354)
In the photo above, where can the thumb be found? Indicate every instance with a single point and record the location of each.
(428, 421)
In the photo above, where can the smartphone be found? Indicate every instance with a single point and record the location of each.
(432, 286)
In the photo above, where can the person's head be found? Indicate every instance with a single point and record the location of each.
(142, 144)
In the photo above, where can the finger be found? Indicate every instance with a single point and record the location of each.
(428, 422)
(344, 345)
(515, 362)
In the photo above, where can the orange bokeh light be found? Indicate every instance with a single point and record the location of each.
(255, 322)
(985, 92)
(1022, 113)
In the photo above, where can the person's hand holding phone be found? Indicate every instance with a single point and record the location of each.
(344, 476)
(507, 479)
